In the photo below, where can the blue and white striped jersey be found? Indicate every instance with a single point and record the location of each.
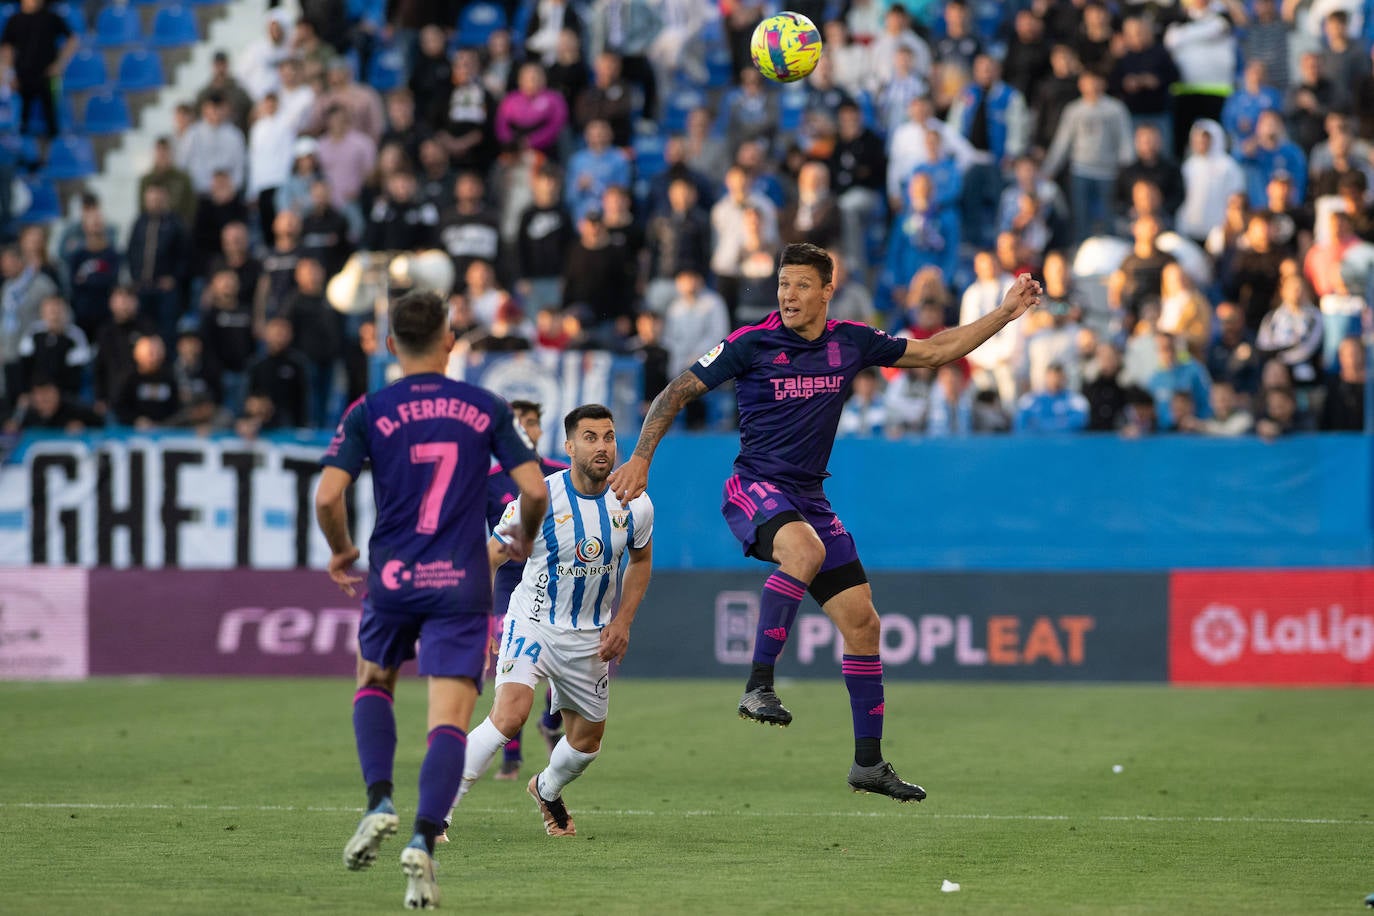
(573, 576)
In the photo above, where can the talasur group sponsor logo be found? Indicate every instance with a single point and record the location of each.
(1272, 627)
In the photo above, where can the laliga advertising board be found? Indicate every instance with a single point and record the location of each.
(1289, 627)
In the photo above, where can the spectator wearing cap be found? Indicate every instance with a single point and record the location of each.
(238, 104)
(346, 156)
(1094, 140)
(1270, 151)
(211, 145)
(270, 154)
(1052, 408)
(1240, 114)
(362, 103)
(533, 116)
(594, 168)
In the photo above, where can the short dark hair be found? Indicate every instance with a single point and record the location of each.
(417, 319)
(807, 255)
(585, 412)
(527, 407)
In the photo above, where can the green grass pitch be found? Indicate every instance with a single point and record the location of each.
(236, 796)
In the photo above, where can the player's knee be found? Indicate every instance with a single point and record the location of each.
(586, 744)
(370, 674)
(863, 634)
(801, 555)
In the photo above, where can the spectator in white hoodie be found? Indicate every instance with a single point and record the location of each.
(1210, 177)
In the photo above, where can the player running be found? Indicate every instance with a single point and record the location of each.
(430, 441)
(501, 492)
(793, 372)
(570, 615)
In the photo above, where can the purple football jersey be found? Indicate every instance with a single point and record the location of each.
(431, 441)
(791, 392)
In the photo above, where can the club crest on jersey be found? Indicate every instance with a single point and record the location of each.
(711, 355)
(589, 550)
(832, 354)
(508, 667)
(620, 519)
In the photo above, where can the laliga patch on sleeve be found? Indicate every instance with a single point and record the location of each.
(710, 357)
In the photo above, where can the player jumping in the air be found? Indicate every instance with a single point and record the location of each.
(430, 441)
(793, 372)
(501, 492)
(570, 615)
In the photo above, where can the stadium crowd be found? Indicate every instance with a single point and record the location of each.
(1192, 180)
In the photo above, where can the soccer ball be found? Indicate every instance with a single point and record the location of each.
(786, 47)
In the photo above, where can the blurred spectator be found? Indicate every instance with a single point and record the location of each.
(757, 268)
(864, 414)
(748, 112)
(533, 116)
(197, 384)
(1229, 418)
(361, 102)
(1341, 167)
(346, 156)
(220, 207)
(886, 49)
(706, 154)
(294, 195)
(1140, 417)
(181, 197)
(858, 171)
(922, 235)
(678, 47)
(992, 116)
(675, 168)
(1341, 266)
(483, 294)
(907, 399)
(1054, 344)
(114, 345)
(1183, 311)
(295, 97)
(848, 60)
(467, 123)
(695, 321)
(593, 278)
(324, 232)
(159, 258)
(1343, 406)
(401, 128)
(1281, 416)
(727, 224)
(940, 164)
(1266, 42)
(1310, 97)
(1290, 222)
(434, 176)
(270, 155)
(1027, 61)
(1141, 77)
(1252, 278)
(1104, 393)
(499, 74)
(1053, 95)
(1151, 164)
(319, 331)
(609, 98)
(814, 217)
(959, 45)
(35, 46)
(993, 362)
(505, 334)
(392, 159)
(278, 268)
(53, 348)
(1052, 408)
(1138, 278)
(542, 242)
(237, 103)
(1177, 372)
(677, 240)
(73, 233)
(226, 332)
(237, 256)
(647, 347)
(48, 408)
(894, 95)
(1182, 411)
(1203, 44)
(147, 397)
(469, 230)
(1232, 356)
(1225, 241)
(550, 20)
(1094, 139)
(400, 220)
(278, 393)
(1050, 208)
(211, 145)
(851, 300)
(1240, 114)
(624, 232)
(1292, 332)
(431, 77)
(1343, 61)
(1363, 105)
(93, 267)
(594, 168)
(256, 64)
(569, 74)
(1094, 41)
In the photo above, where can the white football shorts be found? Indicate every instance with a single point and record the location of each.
(531, 651)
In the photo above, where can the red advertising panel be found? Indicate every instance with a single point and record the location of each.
(1279, 627)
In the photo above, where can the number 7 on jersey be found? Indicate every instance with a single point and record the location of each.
(444, 456)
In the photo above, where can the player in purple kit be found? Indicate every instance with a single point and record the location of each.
(792, 374)
(501, 492)
(430, 441)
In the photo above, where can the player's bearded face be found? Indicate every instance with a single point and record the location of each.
(592, 449)
(802, 298)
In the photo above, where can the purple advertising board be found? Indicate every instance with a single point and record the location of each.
(220, 622)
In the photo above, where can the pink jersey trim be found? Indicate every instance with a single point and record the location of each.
(774, 320)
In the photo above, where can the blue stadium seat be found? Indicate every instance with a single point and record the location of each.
(477, 22)
(70, 156)
(44, 206)
(38, 125)
(74, 16)
(117, 26)
(174, 27)
(677, 107)
(791, 108)
(521, 23)
(6, 11)
(720, 69)
(9, 116)
(139, 70)
(107, 113)
(649, 161)
(369, 12)
(386, 69)
(23, 150)
(86, 71)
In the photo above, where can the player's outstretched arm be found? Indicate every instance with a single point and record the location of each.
(615, 637)
(534, 502)
(629, 480)
(956, 343)
(332, 514)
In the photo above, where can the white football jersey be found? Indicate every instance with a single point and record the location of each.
(572, 578)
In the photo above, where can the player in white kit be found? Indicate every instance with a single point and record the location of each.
(570, 615)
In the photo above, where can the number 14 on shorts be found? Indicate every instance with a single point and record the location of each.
(519, 646)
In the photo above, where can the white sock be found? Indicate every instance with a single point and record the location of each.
(565, 765)
(484, 743)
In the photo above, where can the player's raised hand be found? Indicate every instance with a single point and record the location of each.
(340, 570)
(629, 480)
(1023, 295)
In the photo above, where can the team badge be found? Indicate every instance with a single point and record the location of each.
(620, 520)
(508, 667)
(832, 354)
(589, 550)
(711, 355)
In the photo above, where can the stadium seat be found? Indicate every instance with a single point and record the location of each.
(44, 204)
(368, 12)
(23, 150)
(139, 70)
(107, 113)
(720, 69)
(677, 107)
(70, 156)
(6, 11)
(116, 27)
(477, 22)
(386, 69)
(86, 71)
(649, 161)
(791, 108)
(74, 16)
(174, 27)
(39, 124)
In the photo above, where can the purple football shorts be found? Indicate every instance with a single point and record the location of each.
(749, 505)
(451, 645)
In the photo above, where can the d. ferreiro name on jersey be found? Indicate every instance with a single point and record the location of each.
(806, 386)
(434, 409)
